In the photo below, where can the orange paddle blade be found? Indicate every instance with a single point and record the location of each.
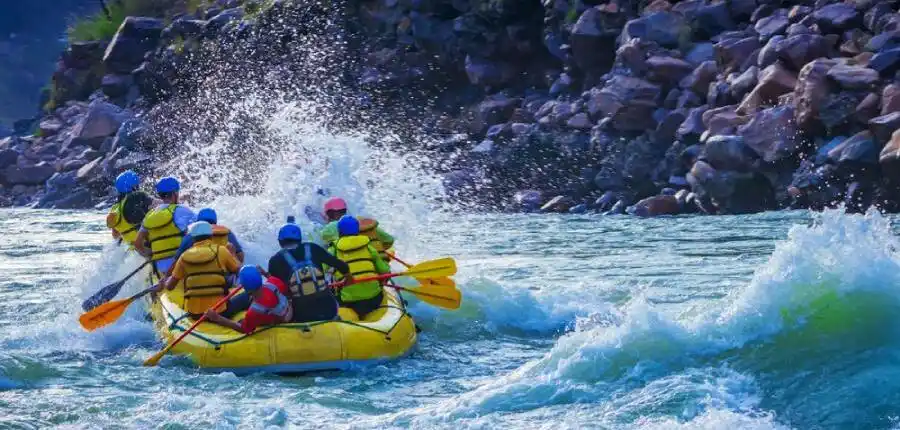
(104, 314)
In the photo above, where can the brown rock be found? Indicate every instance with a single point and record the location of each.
(890, 99)
(668, 70)
(810, 94)
(799, 50)
(853, 77)
(731, 53)
(723, 120)
(890, 154)
(771, 133)
(657, 6)
(855, 41)
(698, 81)
(629, 102)
(631, 55)
(884, 126)
(774, 81)
(655, 206)
(868, 108)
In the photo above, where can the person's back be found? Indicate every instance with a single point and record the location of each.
(125, 217)
(301, 267)
(164, 227)
(363, 261)
(203, 271)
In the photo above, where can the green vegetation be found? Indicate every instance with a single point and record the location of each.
(102, 27)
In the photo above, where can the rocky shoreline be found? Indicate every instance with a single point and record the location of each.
(650, 108)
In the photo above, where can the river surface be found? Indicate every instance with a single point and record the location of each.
(778, 320)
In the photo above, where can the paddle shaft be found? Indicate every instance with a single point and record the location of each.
(394, 257)
(153, 360)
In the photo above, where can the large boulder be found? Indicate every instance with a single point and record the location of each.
(774, 81)
(861, 148)
(771, 133)
(593, 36)
(772, 25)
(665, 28)
(890, 154)
(698, 81)
(731, 53)
(811, 93)
(886, 63)
(667, 70)
(796, 51)
(853, 77)
(728, 152)
(135, 37)
(28, 175)
(101, 121)
(884, 126)
(837, 17)
(723, 120)
(629, 102)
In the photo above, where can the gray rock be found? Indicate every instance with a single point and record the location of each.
(701, 52)
(836, 17)
(772, 25)
(728, 152)
(488, 73)
(771, 133)
(102, 120)
(859, 149)
(8, 157)
(115, 86)
(135, 37)
(664, 28)
(853, 77)
(884, 126)
(215, 24)
(529, 200)
(28, 175)
(89, 171)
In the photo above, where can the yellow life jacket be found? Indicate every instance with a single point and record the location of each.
(354, 250)
(204, 280)
(116, 221)
(163, 234)
(307, 278)
(220, 235)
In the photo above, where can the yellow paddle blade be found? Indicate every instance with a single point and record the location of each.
(445, 281)
(440, 268)
(104, 314)
(152, 361)
(443, 296)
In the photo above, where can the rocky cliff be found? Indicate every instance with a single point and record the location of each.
(563, 105)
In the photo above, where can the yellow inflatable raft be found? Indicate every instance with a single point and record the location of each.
(387, 333)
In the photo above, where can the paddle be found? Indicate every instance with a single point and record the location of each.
(108, 313)
(152, 361)
(109, 292)
(445, 281)
(438, 295)
(431, 269)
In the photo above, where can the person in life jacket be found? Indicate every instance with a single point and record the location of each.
(301, 266)
(164, 227)
(336, 208)
(202, 270)
(356, 250)
(269, 304)
(221, 235)
(125, 217)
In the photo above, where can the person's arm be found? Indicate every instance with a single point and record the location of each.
(140, 243)
(229, 262)
(186, 243)
(214, 317)
(380, 266)
(320, 255)
(238, 249)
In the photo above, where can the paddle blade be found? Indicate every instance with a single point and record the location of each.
(154, 360)
(104, 314)
(440, 268)
(444, 282)
(442, 296)
(105, 294)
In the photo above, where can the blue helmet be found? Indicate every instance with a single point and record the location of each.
(127, 181)
(208, 215)
(348, 225)
(290, 231)
(168, 185)
(249, 278)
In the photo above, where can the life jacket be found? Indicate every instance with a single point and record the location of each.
(281, 310)
(115, 220)
(163, 234)
(369, 227)
(306, 277)
(204, 280)
(354, 250)
(220, 234)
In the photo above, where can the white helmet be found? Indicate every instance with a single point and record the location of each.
(199, 229)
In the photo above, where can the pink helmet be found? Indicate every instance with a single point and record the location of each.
(335, 204)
